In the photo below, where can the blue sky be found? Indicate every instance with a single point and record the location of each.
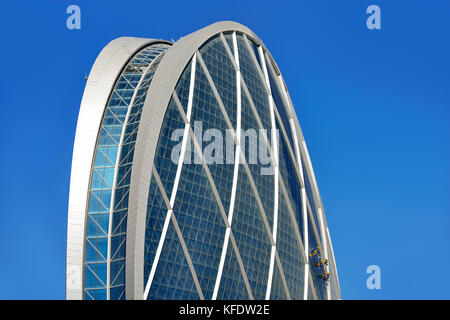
(373, 105)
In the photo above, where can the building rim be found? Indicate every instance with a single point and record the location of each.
(98, 88)
(102, 78)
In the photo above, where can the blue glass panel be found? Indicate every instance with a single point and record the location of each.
(264, 181)
(229, 39)
(309, 194)
(156, 213)
(173, 279)
(182, 87)
(98, 294)
(254, 83)
(91, 280)
(104, 164)
(223, 74)
(117, 293)
(279, 105)
(119, 216)
(201, 224)
(289, 251)
(277, 292)
(291, 182)
(251, 237)
(92, 253)
(165, 167)
(206, 111)
(319, 284)
(93, 229)
(255, 51)
(232, 286)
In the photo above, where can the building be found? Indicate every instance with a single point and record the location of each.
(143, 225)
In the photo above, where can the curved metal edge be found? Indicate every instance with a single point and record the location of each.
(102, 78)
(310, 171)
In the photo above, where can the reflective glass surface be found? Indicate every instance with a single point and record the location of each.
(196, 207)
(115, 135)
(195, 252)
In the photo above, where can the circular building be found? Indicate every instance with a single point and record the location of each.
(191, 178)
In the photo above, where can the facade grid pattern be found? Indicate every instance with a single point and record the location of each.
(105, 233)
(213, 229)
(248, 227)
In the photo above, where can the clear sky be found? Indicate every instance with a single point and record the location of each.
(374, 106)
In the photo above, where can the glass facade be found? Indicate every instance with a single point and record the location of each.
(196, 209)
(213, 229)
(110, 179)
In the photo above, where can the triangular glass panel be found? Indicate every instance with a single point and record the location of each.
(255, 84)
(108, 175)
(251, 236)
(117, 273)
(229, 40)
(209, 123)
(119, 223)
(111, 117)
(166, 157)
(277, 291)
(156, 213)
(117, 293)
(182, 87)
(258, 157)
(100, 158)
(97, 274)
(87, 296)
(92, 254)
(118, 246)
(289, 251)
(106, 140)
(118, 113)
(110, 154)
(291, 181)
(223, 74)
(104, 196)
(114, 131)
(95, 205)
(97, 180)
(199, 217)
(97, 294)
(97, 225)
(232, 285)
(174, 269)
(280, 105)
(255, 51)
(99, 244)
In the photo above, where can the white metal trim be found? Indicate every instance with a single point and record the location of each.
(324, 245)
(304, 209)
(178, 231)
(177, 179)
(114, 185)
(276, 173)
(208, 173)
(235, 170)
(100, 83)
